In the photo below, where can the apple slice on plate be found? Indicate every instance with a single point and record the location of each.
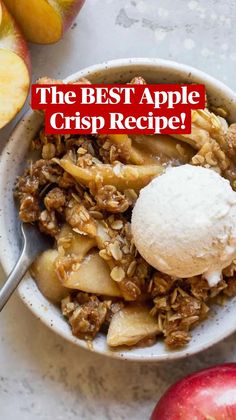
(14, 68)
(44, 21)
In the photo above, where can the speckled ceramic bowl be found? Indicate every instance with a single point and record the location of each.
(221, 323)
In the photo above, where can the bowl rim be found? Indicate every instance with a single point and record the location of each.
(7, 263)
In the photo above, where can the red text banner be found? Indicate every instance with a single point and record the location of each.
(118, 108)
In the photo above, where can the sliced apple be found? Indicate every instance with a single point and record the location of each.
(44, 21)
(102, 235)
(146, 150)
(93, 276)
(121, 176)
(125, 145)
(131, 325)
(43, 271)
(160, 148)
(74, 243)
(14, 68)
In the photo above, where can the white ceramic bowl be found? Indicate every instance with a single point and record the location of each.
(221, 323)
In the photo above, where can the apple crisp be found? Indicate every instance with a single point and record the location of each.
(81, 192)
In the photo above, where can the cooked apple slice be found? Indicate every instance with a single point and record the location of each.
(147, 150)
(14, 68)
(121, 176)
(205, 127)
(102, 235)
(74, 243)
(44, 21)
(43, 271)
(161, 147)
(127, 150)
(93, 276)
(131, 325)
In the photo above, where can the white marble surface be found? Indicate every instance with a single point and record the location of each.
(42, 376)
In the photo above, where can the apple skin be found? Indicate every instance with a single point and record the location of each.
(44, 21)
(206, 395)
(70, 12)
(11, 37)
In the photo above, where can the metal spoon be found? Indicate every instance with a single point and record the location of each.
(33, 244)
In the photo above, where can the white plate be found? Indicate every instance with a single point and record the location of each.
(222, 321)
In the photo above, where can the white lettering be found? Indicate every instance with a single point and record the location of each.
(53, 121)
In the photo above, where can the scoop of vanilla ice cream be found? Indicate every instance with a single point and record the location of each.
(184, 223)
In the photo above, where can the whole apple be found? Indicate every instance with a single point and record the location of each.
(14, 67)
(206, 395)
(44, 21)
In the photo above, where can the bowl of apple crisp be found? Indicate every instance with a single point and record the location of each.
(109, 282)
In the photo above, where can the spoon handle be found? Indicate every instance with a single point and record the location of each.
(14, 277)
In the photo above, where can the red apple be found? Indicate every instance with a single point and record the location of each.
(14, 68)
(206, 395)
(44, 21)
